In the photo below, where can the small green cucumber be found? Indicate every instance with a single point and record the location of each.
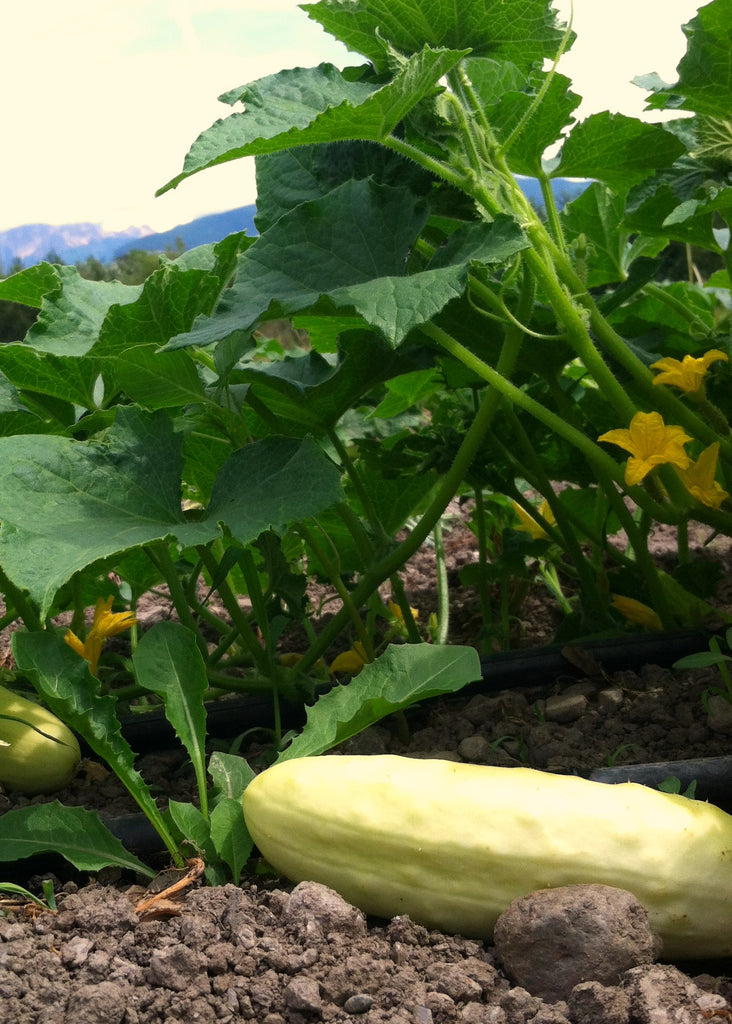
(38, 753)
(451, 845)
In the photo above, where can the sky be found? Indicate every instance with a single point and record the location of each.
(101, 99)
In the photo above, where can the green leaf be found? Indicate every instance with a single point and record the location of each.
(306, 106)
(72, 693)
(616, 149)
(351, 247)
(158, 380)
(30, 286)
(272, 483)
(195, 829)
(63, 377)
(170, 300)
(168, 662)
(358, 231)
(73, 832)
(705, 72)
(231, 775)
(71, 317)
(400, 677)
(508, 97)
(230, 835)
(305, 173)
(524, 32)
(65, 504)
(406, 390)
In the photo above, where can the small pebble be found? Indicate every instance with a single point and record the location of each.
(361, 1002)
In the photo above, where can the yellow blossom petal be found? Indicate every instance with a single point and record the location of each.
(528, 524)
(396, 612)
(75, 643)
(699, 480)
(106, 623)
(650, 443)
(687, 373)
(636, 611)
(350, 661)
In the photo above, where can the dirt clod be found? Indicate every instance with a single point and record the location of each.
(554, 939)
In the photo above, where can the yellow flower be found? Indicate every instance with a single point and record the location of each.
(650, 443)
(687, 373)
(636, 611)
(699, 480)
(396, 612)
(530, 525)
(106, 623)
(350, 661)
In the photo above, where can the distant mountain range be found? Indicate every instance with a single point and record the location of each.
(32, 243)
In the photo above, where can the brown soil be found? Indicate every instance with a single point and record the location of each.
(238, 953)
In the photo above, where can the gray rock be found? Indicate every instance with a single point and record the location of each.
(719, 716)
(554, 939)
(303, 996)
(475, 749)
(313, 911)
(565, 707)
(610, 700)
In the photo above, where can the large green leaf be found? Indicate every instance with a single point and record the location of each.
(358, 231)
(311, 393)
(158, 380)
(616, 149)
(75, 833)
(31, 285)
(305, 173)
(67, 378)
(72, 315)
(508, 96)
(270, 484)
(522, 31)
(594, 222)
(400, 677)
(705, 72)
(306, 106)
(65, 504)
(171, 298)
(351, 246)
(168, 662)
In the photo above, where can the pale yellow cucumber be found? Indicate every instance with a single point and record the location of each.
(38, 753)
(452, 844)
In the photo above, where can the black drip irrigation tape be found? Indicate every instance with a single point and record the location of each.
(539, 666)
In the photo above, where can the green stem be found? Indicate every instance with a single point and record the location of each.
(350, 606)
(585, 572)
(397, 590)
(555, 225)
(396, 558)
(238, 618)
(16, 597)
(484, 597)
(443, 594)
(681, 309)
(159, 554)
(602, 462)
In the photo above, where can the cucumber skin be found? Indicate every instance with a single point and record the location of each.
(38, 753)
(452, 844)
